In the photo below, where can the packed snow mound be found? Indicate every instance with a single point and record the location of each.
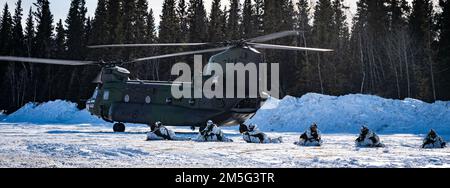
(53, 112)
(346, 114)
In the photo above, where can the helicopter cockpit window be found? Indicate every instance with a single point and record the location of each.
(94, 96)
(106, 95)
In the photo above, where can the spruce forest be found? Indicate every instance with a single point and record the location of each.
(391, 48)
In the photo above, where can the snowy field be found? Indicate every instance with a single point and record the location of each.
(56, 134)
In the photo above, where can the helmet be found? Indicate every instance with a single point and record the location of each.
(364, 129)
(210, 122)
(432, 133)
(158, 124)
(314, 126)
(252, 127)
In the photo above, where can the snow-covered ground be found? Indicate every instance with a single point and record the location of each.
(56, 134)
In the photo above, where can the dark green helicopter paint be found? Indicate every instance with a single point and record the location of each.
(118, 99)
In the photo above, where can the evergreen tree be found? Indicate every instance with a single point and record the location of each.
(323, 23)
(395, 44)
(141, 21)
(224, 21)
(88, 31)
(398, 9)
(342, 52)
(151, 36)
(197, 21)
(444, 50)
(182, 13)
(44, 32)
(150, 71)
(323, 35)
(259, 17)
(370, 28)
(272, 16)
(60, 41)
(169, 25)
(128, 22)
(420, 26)
(29, 33)
(99, 34)
(43, 75)
(279, 16)
(129, 29)
(17, 36)
(114, 22)
(248, 20)
(303, 16)
(233, 21)
(6, 31)
(215, 31)
(99, 26)
(304, 68)
(61, 73)
(169, 29)
(76, 21)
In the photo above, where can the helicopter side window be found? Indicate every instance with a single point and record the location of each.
(169, 100)
(106, 95)
(126, 98)
(192, 102)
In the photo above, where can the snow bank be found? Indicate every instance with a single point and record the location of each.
(53, 112)
(345, 114)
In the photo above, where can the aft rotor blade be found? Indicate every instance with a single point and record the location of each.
(46, 61)
(98, 78)
(274, 36)
(180, 54)
(146, 45)
(281, 47)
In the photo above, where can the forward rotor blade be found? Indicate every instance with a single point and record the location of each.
(281, 47)
(46, 61)
(145, 45)
(274, 36)
(180, 54)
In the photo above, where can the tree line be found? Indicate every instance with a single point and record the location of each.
(392, 48)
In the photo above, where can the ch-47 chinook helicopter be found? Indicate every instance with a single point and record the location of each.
(119, 100)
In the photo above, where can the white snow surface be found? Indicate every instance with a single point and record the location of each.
(346, 114)
(57, 134)
(61, 146)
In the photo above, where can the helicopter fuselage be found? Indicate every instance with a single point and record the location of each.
(118, 99)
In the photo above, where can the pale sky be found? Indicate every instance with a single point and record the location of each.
(60, 8)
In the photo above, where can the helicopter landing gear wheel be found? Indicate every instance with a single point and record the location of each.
(119, 127)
